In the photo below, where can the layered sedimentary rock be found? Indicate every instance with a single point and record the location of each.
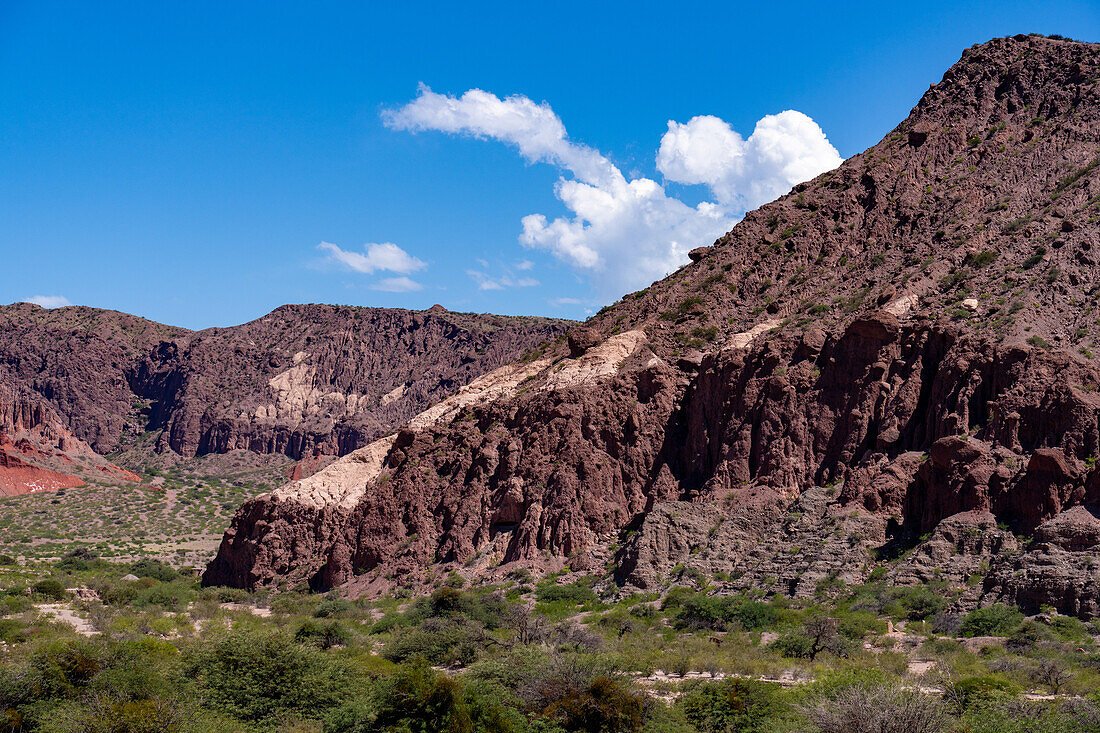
(897, 355)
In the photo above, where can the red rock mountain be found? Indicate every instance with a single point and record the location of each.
(302, 380)
(37, 453)
(898, 355)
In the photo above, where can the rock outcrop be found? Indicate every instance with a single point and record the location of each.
(37, 453)
(896, 356)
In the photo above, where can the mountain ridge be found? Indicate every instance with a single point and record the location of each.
(910, 334)
(302, 380)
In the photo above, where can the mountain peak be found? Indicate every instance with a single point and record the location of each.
(987, 192)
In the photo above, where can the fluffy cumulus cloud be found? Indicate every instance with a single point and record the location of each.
(624, 233)
(783, 150)
(49, 301)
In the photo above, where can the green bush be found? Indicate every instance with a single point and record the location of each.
(333, 606)
(578, 592)
(979, 690)
(325, 635)
(438, 641)
(260, 676)
(734, 705)
(603, 705)
(995, 620)
(701, 611)
(152, 568)
(169, 596)
(794, 644)
(418, 699)
(50, 589)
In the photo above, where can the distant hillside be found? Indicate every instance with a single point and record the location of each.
(303, 380)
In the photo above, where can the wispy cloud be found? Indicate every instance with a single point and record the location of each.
(397, 285)
(49, 301)
(385, 256)
(486, 282)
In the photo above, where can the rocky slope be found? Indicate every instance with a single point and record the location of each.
(304, 380)
(895, 360)
(37, 453)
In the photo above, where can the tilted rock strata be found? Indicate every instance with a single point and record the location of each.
(895, 356)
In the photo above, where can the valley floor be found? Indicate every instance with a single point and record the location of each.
(84, 641)
(178, 512)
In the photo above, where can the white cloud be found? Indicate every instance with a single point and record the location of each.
(525, 265)
(377, 256)
(783, 150)
(565, 301)
(49, 301)
(486, 282)
(397, 285)
(624, 233)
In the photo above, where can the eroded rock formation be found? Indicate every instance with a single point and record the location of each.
(896, 357)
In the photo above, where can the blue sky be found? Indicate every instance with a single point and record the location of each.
(185, 161)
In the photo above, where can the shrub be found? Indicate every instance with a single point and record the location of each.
(578, 592)
(879, 708)
(979, 260)
(259, 676)
(978, 690)
(333, 605)
(1035, 258)
(995, 620)
(1027, 635)
(1040, 342)
(50, 589)
(65, 667)
(416, 698)
(818, 634)
(78, 560)
(604, 705)
(152, 568)
(325, 635)
(733, 705)
(916, 603)
(794, 644)
(438, 641)
(700, 611)
(170, 596)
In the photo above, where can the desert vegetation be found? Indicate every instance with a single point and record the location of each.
(91, 645)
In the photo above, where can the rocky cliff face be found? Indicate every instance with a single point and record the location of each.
(37, 453)
(302, 380)
(897, 357)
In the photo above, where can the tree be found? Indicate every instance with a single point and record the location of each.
(994, 620)
(1053, 674)
(819, 634)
